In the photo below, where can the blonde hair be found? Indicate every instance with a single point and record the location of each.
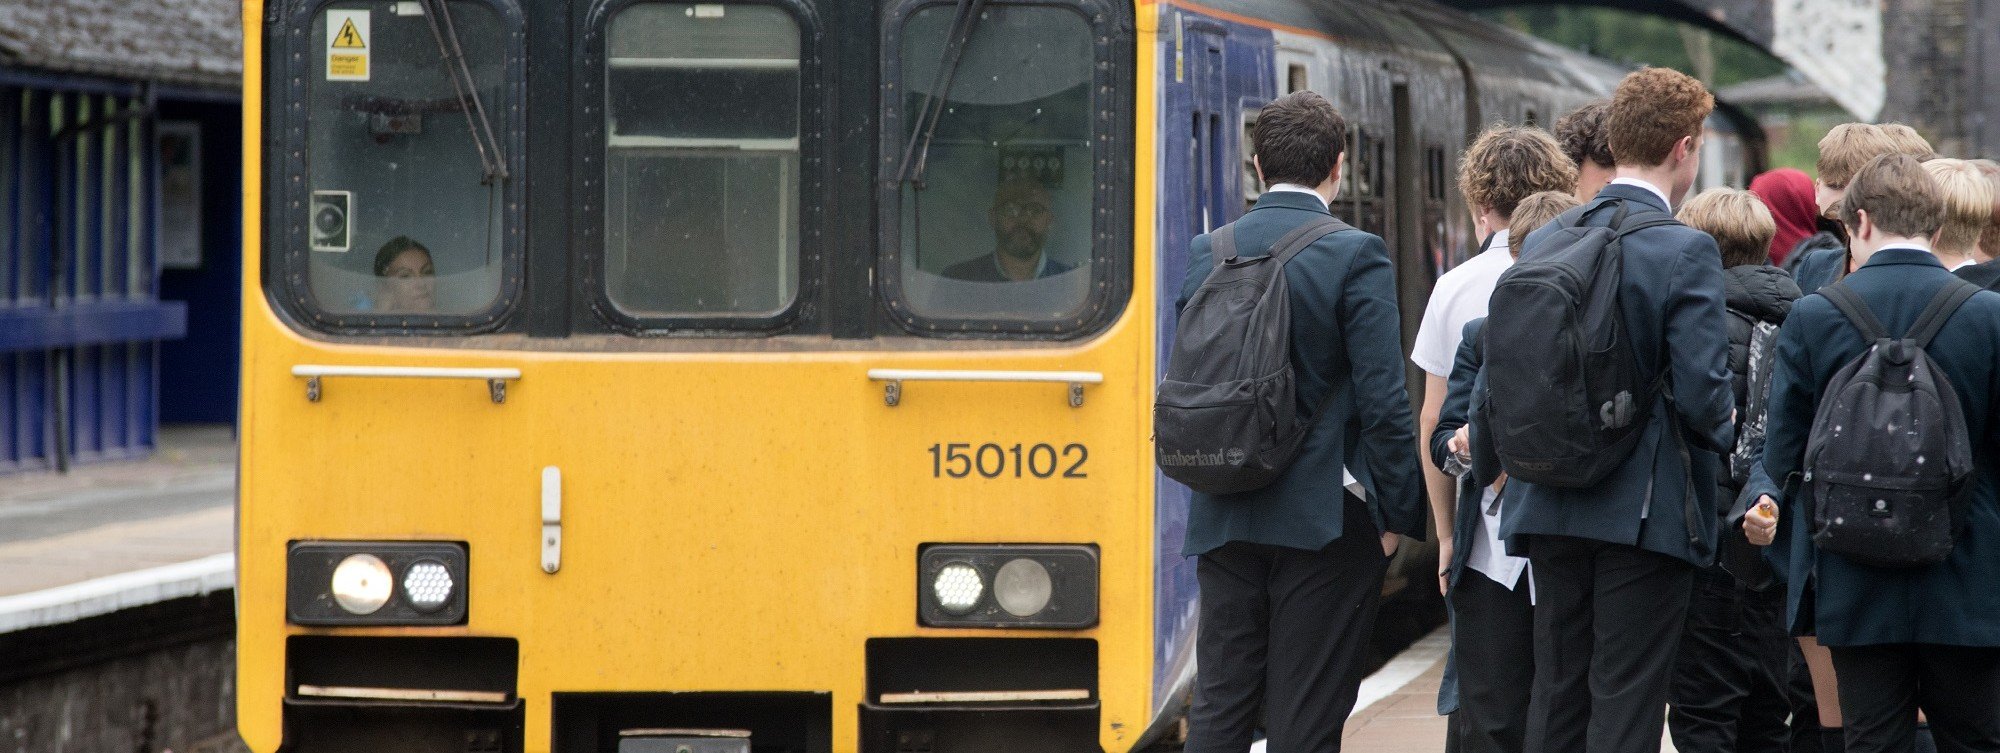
(1846, 148)
(1534, 212)
(1909, 142)
(1737, 219)
(1968, 204)
(1989, 241)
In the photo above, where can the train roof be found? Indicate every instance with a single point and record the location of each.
(189, 42)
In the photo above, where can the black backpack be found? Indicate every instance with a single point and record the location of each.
(1889, 456)
(1564, 395)
(1225, 419)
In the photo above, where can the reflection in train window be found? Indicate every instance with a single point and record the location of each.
(702, 160)
(994, 216)
(406, 167)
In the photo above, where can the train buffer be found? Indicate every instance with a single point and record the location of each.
(112, 536)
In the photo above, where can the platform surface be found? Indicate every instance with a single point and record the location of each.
(113, 535)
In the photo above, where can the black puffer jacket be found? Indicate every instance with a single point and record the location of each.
(1755, 293)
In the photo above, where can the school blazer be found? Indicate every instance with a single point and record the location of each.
(1954, 602)
(1347, 352)
(1671, 294)
(1464, 394)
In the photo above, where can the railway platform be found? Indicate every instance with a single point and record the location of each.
(104, 538)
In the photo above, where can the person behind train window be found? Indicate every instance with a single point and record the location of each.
(1900, 638)
(1020, 215)
(1968, 208)
(406, 278)
(1291, 573)
(1614, 562)
(1503, 166)
(1731, 683)
(1841, 152)
(1582, 135)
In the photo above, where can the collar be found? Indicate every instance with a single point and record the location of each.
(1497, 242)
(1296, 188)
(1664, 203)
(1041, 268)
(1904, 255)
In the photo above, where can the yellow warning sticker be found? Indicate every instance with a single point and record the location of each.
(347, 45)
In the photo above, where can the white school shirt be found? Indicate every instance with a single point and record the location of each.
(1668, 203)
(1346, 477)
(1460, 296)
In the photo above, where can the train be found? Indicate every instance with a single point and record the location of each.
(775, 375)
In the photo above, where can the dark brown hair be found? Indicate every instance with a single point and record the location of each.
(1653, 109)
(1298, 138)
(1510, 163)
(1898, 194)
(1581, 133)
(394, 248)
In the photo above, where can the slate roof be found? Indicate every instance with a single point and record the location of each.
(186, 42)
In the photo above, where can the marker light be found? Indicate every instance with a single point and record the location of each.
(362, 583)
(1023, 587)
(427, 585)
(958, 587)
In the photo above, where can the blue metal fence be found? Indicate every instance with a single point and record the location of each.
(80, 314)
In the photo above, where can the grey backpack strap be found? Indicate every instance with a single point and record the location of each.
(1222, 243)
(1304, 236)
(1856, 310)
(1954, 294)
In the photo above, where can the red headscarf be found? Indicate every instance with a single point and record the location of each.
(1788, 193)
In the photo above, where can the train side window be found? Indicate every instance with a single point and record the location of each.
(399, 205)
(1295, 78)
(996, 208)
(1253, 185)
(702, 163)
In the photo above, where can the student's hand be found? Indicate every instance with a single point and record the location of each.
(1444, 566)
(1500, 483)
(1389, 543)
(1459, 444)
(1760, 524)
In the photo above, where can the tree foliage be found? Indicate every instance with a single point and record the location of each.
(1640, 39)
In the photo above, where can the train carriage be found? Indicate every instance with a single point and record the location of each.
(768, 375)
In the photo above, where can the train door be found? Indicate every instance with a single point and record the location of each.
(1213, 201)
(1413, 276)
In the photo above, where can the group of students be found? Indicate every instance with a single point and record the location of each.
(1675, 550)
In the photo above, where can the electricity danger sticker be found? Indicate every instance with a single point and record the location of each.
(347, 45)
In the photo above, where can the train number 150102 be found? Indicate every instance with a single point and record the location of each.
(963, 459)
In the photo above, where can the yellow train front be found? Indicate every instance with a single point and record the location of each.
(766, 375)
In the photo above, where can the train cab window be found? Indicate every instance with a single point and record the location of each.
(995, 202)
(701, 210)
(399, 220)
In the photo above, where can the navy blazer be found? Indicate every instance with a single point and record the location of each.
(1463, 395)
(1347, 350)
(1671, 293)
(1820, 267)
(1954, 602)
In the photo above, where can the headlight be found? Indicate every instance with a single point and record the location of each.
(1032, 586)
(362, 584)
(427, 584)
(1023, 587)
(375, 583)
(958, 588)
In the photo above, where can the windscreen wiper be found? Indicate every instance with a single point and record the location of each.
(918, 148)
(492, 158)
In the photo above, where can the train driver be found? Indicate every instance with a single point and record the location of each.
(1020, 216)
(406, 278)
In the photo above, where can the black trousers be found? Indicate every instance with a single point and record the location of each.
(1882, 686)
(1730, 688)
(1607, 620)
(1493, 643)
(1281, 640)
